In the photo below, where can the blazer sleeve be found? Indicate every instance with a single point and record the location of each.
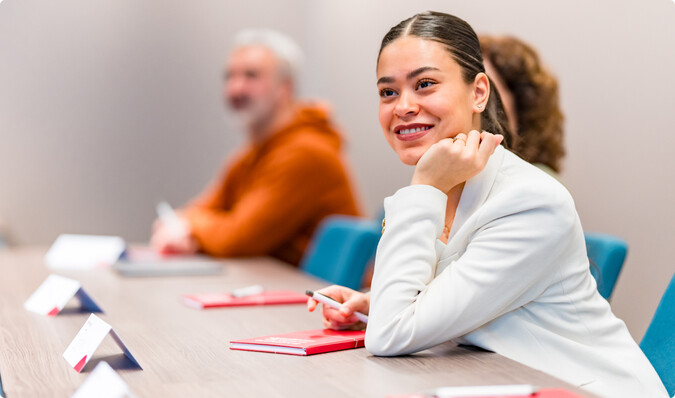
(509, 261)
(278, 200)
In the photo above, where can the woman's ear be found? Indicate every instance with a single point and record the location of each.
(481, 92)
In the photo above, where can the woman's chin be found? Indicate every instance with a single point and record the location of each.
(410, 159)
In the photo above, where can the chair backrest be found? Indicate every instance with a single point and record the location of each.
(4, 236)
(658, 343)
(607, 254)
(341, 248)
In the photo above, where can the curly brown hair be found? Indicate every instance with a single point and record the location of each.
(535, 93)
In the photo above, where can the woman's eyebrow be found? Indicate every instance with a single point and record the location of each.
(385, 79)
(419, 71)
(410, 75)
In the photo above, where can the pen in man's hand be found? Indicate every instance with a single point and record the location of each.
(170, 219)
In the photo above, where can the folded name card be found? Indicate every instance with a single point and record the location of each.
(88, 339)
(103, 382)
(84, 251)
(55, 292)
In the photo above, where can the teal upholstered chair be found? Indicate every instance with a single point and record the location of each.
(341, 249)
(658, 343)
(4, 234)
(607, 254)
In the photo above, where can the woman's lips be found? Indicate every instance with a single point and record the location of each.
(414, 133)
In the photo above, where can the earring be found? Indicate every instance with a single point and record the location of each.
(479, 106)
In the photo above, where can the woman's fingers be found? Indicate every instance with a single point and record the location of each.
(343, 317)
(459, 138)
(311, 304)
(473, 140)
(338, 316)
(357, 302)
(489, 143)
(451, 161)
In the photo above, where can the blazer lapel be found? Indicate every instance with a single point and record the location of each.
(476, 191)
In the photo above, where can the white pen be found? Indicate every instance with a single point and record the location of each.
(322, 298)
(170, 219)
(515, 390)
(247, 291)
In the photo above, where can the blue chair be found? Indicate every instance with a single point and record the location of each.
(658, 343)
(341, 249)
(607, 254)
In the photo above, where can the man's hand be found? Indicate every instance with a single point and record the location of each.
(173, 241)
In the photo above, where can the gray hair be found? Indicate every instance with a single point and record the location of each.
(282, 46)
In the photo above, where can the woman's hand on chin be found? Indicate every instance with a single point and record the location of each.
(452, 161)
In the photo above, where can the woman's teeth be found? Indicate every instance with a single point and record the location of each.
(415, 130)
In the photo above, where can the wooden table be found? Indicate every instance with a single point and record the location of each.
(185, 352)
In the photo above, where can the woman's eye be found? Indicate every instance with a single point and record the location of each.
(387, 92)
(425, 84)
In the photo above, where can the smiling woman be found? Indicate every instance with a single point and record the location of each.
(482, 248)
(432, 69)
(416, 108)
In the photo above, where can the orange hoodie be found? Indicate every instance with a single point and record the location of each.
(273, 196)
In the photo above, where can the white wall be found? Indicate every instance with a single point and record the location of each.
(108, 106)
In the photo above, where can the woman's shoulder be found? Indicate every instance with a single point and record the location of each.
(518, 174)
(520, 186)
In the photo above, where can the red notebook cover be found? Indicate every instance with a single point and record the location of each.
(213, 300)
(541, 393)
(307, 342)
(556, 393)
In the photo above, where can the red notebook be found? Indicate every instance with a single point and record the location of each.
(541, 393)
(213, 300)
(555, 393)
(307, 342)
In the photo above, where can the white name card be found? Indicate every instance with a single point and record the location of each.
(87, 340)
(55, 292)
(84, 251)
(103, 382)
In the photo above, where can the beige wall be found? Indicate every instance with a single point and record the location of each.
(108, 106)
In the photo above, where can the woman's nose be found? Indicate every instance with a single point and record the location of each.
(406, 105)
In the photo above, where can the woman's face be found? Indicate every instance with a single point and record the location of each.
(423, 97)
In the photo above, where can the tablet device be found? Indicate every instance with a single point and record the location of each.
(144, 263)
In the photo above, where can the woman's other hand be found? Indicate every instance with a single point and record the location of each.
(344, 318)
(452, 161)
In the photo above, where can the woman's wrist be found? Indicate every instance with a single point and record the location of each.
(443, 187)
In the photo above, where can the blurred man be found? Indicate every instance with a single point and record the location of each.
(273, 194)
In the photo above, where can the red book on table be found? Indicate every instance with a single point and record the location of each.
(307, 342)
(540, 393)
(214, 300)
(555, 393)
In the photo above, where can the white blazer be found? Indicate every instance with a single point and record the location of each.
(514, 278)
